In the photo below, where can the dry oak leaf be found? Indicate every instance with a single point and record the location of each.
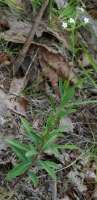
(18, 32)
(17, 105)
(57, 63)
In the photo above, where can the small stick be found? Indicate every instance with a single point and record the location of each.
(30, 37)
(28, 72)
(54, 190)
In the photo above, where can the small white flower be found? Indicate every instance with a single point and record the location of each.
(71, 21)
(86, 20)
(64, 25)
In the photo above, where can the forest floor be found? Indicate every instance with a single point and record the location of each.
(34, 55)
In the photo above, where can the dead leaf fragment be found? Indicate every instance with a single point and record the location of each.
(60, 3)
(4, 58)
(4, 25)
(54, 65)
(16, 106)
(66, 124)
(56, 62)
(10, 102)
(16, 86)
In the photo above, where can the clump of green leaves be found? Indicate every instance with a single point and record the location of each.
(31, 154)
(69, 10)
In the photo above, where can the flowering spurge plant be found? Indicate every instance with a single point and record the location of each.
(75, 22)
(30, 154)
(73, 17)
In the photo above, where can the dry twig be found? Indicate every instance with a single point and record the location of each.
(31, 35)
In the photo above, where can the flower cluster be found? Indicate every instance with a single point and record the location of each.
(72, 21)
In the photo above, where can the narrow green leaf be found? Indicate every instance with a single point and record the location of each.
(18, 170)
(52, 136)
(69, 10)
(52, 164)
(19, 153)
(68, 95)
(18, 145)
(69, 146)
(61, 87)
(91, 59)
(47, 168)
(50, 121)
(82, 102)
(33, 178)
(52, 102)
(30, 132)
(53, 150)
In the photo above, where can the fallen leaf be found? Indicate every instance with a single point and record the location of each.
(56, 62)
(76, 179)
(4, 58)
(17, 85)
(4, 25)
(18, 32)
(66, 124)
(11, 102)
(53, 66)
(37, 123)
(60, 3)
(15, 105)
(94, 196)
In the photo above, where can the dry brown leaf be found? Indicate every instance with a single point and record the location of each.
(17, 85)
(17, 105)
(55, 65)
(18, 32)
(66, 124)
(4, 58)
(50, 74)
(4, 25)
(56, 62)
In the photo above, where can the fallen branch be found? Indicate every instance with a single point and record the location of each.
(31, 35)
